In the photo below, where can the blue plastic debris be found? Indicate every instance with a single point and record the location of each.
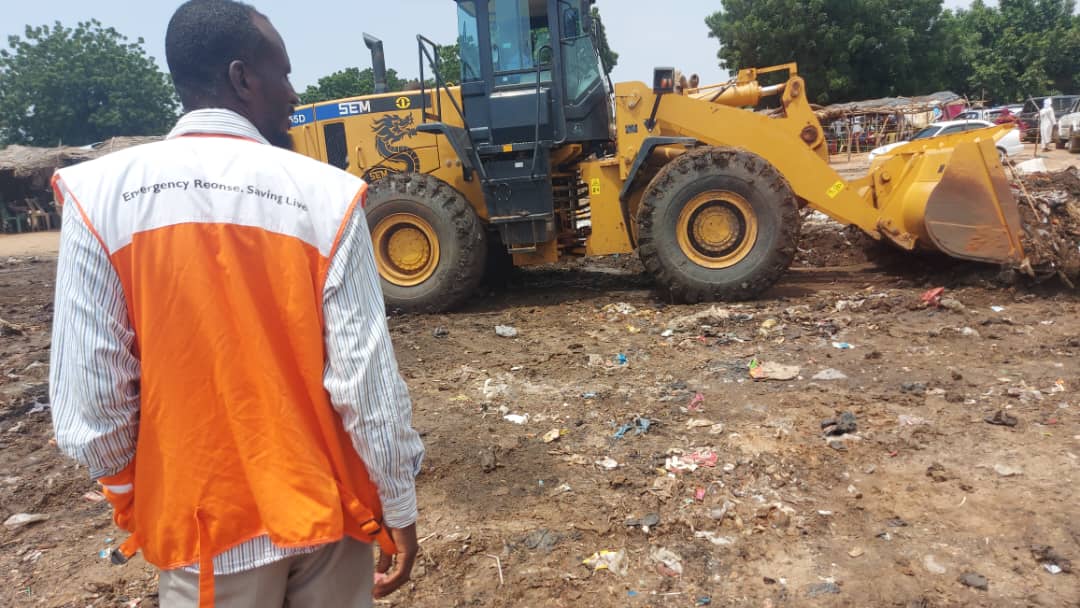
(703, 601)
(588, 395)
(104, 554)
(621, 359)
(631, 593)
(639, 425)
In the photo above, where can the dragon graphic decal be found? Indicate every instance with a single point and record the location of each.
(390, 130)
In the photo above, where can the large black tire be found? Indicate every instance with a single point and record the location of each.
(692, 177)
(1073, 144)
(461, 241)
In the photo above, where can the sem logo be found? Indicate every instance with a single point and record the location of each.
(403, 103)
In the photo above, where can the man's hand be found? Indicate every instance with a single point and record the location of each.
(387, 581)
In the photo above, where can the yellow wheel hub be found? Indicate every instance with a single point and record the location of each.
(406, 249)
(717, 229)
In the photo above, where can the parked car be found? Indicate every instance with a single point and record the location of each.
(1030, 115)
(1068, 129)
(1009, 145)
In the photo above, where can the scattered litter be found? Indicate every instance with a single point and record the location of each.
(607, 463)
(769, 370)
(668, 562)
(913, 387)
(1035, 165)
(667, 333)
(589, 395)
(716, 429)
(699, 494)
(997, 308)
(620, 359)
(970, 332)
(843, 345)
(506, 331)
(688, 463)
(441, 332)
(830, 374)
(909, 420)
(714, 538)
(695, 403)
(843, 425)
(1001, 418)
(639, 425)
(974, 580)
(703, 601)
(1007, 471)
(932, 297)
(712, 316)
(94, 496)
(953, 305)
(823, 589)
(931, 565)
(1052, 561)
(20, 520)
(613, 561)
(856, 552)
(552, 435)
(516, 418)
(620, 308)
(695, 423)
(646, 523)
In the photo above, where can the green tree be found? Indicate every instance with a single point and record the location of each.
(845, 49)
(350, 82)
(80, 85)
(608, 58)
(450, 63)
(1017, 49)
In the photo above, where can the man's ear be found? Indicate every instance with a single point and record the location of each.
(239, 80)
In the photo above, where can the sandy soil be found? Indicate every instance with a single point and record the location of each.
(30, 243)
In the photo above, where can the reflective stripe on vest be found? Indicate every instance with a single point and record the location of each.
(222, 247)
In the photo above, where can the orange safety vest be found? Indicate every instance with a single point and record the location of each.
(222, 246)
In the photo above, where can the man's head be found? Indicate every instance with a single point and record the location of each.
(225, 54)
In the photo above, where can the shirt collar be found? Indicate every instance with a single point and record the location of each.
(216, 121)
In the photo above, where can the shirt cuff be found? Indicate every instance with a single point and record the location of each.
(400, 512)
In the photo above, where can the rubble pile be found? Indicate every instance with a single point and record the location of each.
(1050, 213)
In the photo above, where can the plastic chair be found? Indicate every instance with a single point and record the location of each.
(38, 215)
(11, 221)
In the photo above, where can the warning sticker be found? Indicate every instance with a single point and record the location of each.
(835, 189)
(594, 185)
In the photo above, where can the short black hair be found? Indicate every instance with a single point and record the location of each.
(203, 38)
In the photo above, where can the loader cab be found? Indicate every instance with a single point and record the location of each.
(531, 82)
(516, 51)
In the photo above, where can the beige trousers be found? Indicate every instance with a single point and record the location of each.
(338, 575)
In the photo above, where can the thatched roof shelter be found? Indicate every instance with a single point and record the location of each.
(25, 171)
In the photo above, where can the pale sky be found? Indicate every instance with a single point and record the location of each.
(326, 37)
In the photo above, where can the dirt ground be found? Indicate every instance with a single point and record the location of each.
(621, 390)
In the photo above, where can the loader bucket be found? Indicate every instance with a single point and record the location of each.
(971, 213)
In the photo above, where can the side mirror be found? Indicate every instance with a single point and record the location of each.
(663, 81)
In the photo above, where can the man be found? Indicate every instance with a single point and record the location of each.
(1047, 120)
(221, 361)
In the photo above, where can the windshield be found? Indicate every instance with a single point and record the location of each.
(519, 30)
(581, 63)
(927, 132)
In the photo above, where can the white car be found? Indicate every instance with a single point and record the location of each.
(1068, 129)
(1009, 145)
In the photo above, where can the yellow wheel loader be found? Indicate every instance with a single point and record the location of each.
(534, 156)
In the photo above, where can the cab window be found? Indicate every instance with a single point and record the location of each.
(468, 41)
(519, 31)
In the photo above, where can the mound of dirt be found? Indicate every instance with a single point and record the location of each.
(1050, 213)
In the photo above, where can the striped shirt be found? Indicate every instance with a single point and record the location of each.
(94, 376)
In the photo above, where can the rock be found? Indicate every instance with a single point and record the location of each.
(712, 316)
(1006, 471)
(913, 387)
(970, 333)
(488, 462)
(974, 580)
(830, 374)
(936, 472)
(20, 520)
(931, 565)
(843, 425)
(506, 331)
(441, 332)
(952, 304)
(774, 371)
(1001, 418)
(822, 589)
(838, 445)
(856, 552)
(543, 540)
